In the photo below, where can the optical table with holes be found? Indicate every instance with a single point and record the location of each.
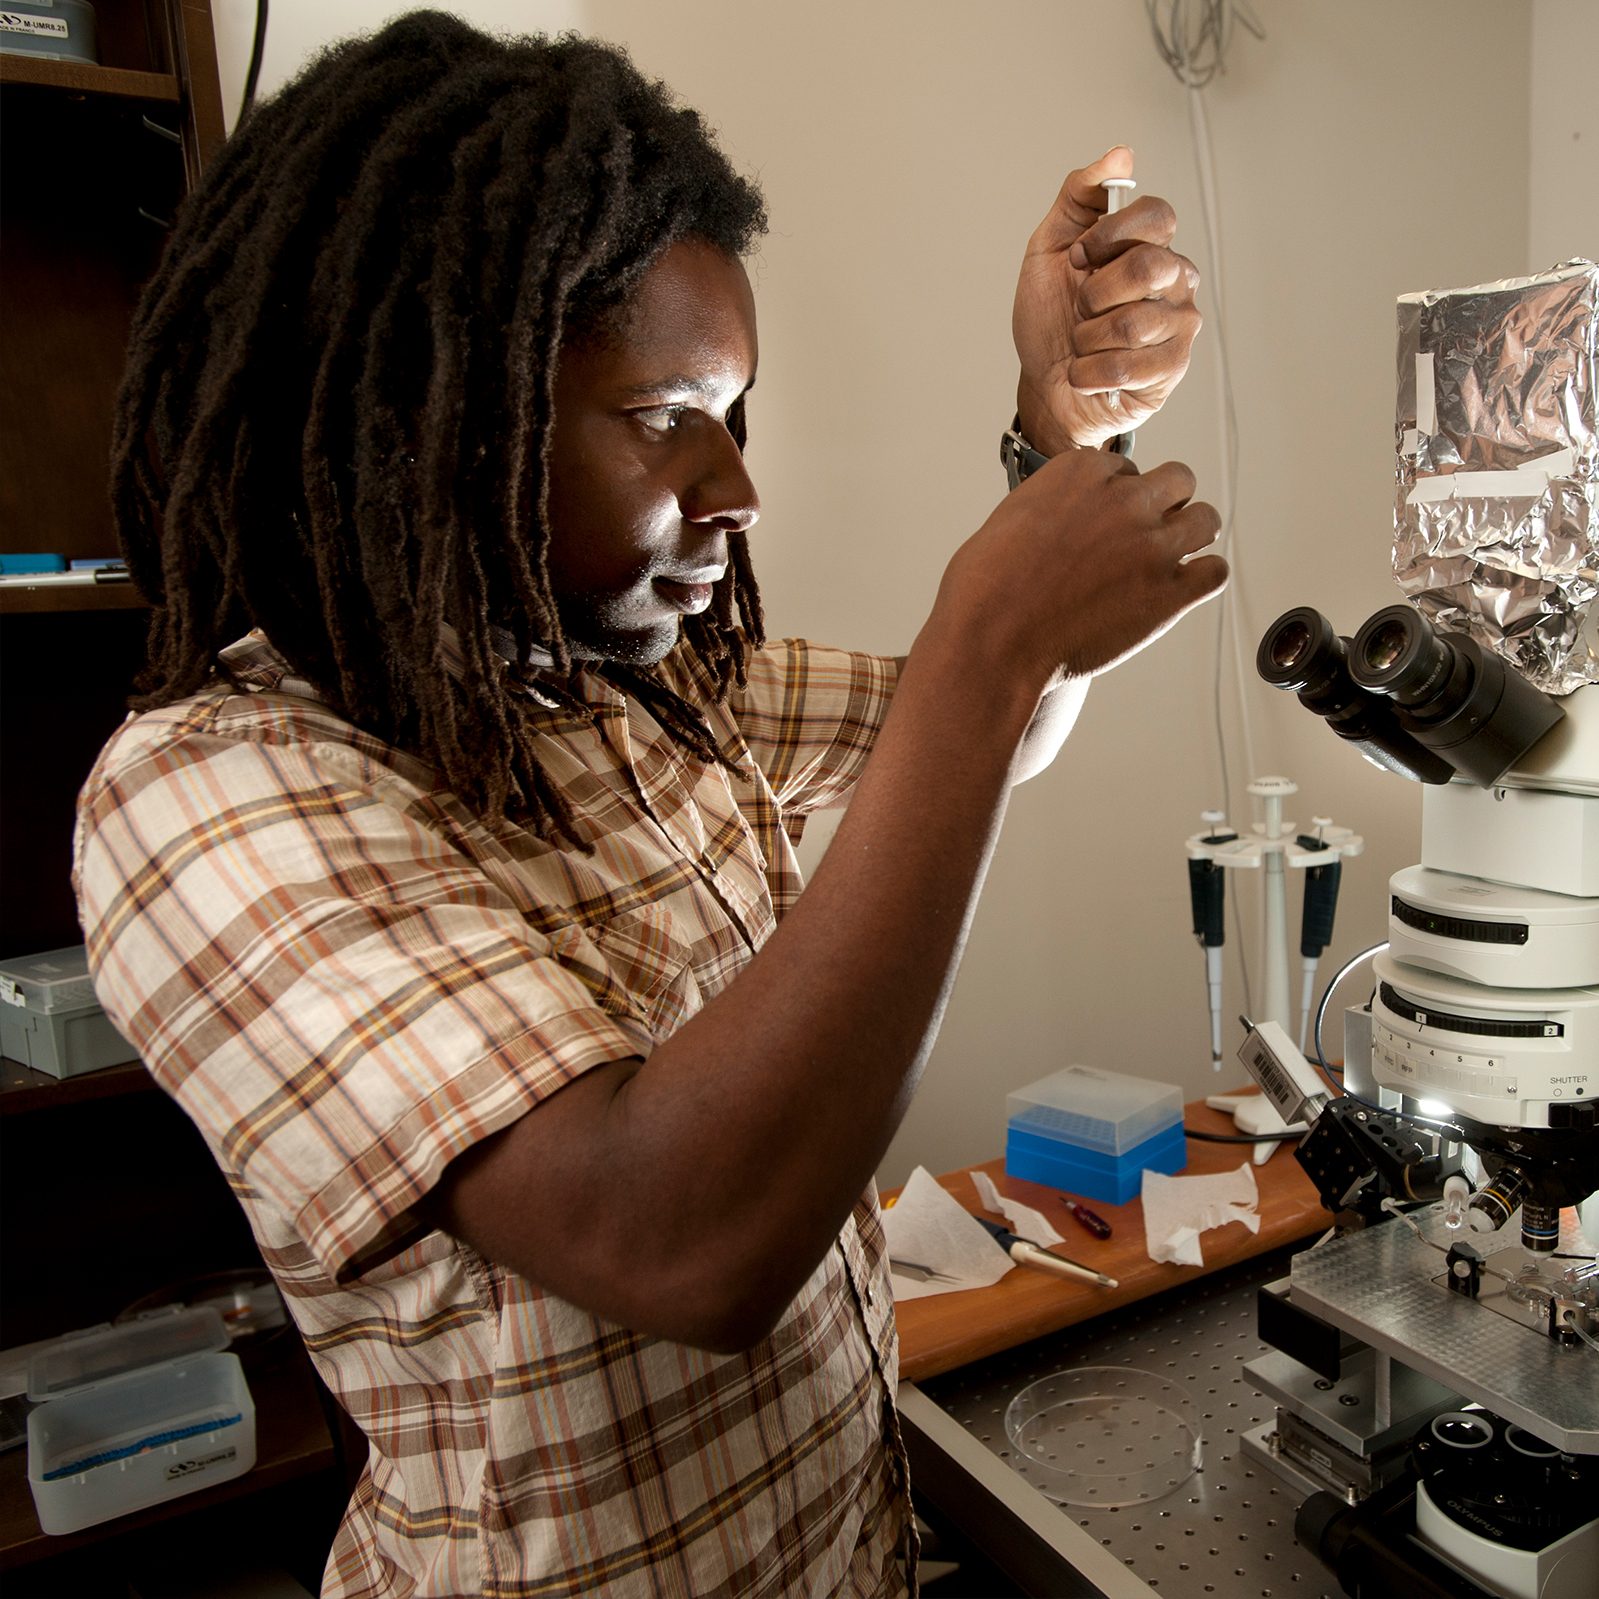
(1229, 1529)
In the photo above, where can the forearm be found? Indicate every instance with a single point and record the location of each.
(1050, 727)
(696, 1193)
(691, 1194)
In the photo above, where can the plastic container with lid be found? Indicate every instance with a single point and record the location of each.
(132, 1416)
(58, 30)
(1115, 1179)
(1109, 1112)
(50, 1019)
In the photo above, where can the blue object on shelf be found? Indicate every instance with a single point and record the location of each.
(32, 563)
(1115, 1179)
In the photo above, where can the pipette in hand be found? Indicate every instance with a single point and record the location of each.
(1118, 191)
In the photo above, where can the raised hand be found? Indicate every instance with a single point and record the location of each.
(1104, 307)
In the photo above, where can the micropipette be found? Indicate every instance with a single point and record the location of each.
(1118, 191)
(1207, 886)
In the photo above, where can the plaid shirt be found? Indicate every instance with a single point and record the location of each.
(346, 979)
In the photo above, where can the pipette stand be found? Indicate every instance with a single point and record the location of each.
(1273, 845)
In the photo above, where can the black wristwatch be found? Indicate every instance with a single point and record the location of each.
(1021, 460)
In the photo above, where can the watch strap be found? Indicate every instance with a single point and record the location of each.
(1021, 460)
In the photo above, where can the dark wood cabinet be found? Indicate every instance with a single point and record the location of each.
(106, 1190)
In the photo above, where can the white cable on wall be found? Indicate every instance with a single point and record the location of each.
(1192, 38)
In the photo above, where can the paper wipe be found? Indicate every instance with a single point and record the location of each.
(1024, 1221)
(1178, 1209)
(929, 1228)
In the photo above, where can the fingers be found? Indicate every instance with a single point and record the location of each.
(1201, 577)
(1146, 220)
(1167, 488)
(1082, 200)
(1140, 325)
(1156, 367)
(1194, 528)
(1135, 340)
(1142, 271)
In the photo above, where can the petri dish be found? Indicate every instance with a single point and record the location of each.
(1105, 1435)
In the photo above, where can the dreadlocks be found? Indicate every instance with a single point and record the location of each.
(336, 416)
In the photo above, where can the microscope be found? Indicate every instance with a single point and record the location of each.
(1435, 1358)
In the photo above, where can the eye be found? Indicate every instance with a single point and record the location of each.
(661, 418)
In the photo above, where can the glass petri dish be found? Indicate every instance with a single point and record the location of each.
(1105, 1435)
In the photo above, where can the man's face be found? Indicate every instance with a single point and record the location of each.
(645, 479)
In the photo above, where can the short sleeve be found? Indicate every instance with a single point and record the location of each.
(810, 716)
(340, 996)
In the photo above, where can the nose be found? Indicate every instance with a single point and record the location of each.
(722, 493)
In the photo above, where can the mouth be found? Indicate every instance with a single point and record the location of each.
(689, 598)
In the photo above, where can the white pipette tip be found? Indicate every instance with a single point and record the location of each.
(1118, 191)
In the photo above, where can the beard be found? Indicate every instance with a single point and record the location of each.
(598, 629)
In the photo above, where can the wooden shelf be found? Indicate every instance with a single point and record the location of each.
(944, 1331)
(18, 599)
(291, 1440)
(83, 77)
(22, 1088)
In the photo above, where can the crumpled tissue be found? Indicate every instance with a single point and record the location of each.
(929, 1228)
(1178, 1209)
(1024, 1221)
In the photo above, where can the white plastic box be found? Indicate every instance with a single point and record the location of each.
(50, 1019)
(135, 1415)
(1105, 1111)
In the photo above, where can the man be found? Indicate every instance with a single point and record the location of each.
(456, 901)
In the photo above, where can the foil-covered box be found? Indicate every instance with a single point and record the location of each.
(1496, 511)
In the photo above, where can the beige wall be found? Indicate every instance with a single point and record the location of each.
(1563, 191)
(1364, 149)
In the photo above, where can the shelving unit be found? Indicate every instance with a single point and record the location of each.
(26, 599)
(22, 1088)
(99, 157)
(79, 77)
(107, 1190)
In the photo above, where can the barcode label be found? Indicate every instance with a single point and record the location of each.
(1275, 1081)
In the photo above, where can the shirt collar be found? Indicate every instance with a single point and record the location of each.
(252, 662)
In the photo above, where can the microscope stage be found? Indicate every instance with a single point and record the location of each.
(1377, 1285)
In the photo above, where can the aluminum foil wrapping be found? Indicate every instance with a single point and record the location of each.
(1496, 514)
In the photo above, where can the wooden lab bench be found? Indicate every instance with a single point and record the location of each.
(939, 1333)
(1038, 1547)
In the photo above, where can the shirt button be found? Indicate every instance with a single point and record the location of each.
(868, 1298)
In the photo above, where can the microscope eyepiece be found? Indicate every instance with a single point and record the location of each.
(1385, 646)
(1397, 653)
(1423, 703)
(1453, 696)
(1302, 653)
(1288, 646)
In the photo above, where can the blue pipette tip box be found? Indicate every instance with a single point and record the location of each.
(1094, 1133)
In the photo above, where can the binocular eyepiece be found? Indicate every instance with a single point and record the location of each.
(1420, 702)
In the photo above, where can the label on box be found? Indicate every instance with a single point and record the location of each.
(16, 22)
(11, 994)
(193, 1468)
